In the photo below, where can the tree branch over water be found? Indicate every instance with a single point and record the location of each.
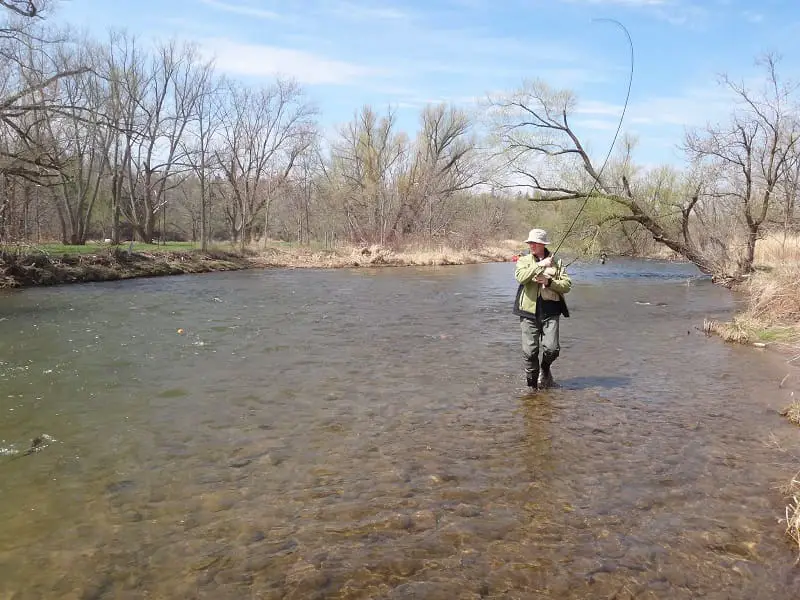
(547, 156)
(747, 158)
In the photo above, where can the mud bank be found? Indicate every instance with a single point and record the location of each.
(19, 270)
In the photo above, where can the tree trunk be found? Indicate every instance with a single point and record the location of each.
(746, 263)
(149, 227)
(63, 223)
(203, 225)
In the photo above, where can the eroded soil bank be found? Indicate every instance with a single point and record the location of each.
(28, 270)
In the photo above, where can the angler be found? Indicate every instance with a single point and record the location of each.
(540, 304)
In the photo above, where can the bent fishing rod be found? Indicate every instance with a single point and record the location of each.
(616, 134)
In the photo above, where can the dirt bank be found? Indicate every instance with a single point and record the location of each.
(27, 270)
(18, 269)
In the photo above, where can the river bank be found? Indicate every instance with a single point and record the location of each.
(770, 300)
(42, 269)
(33, 266)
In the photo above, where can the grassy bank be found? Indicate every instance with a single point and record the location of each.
(51, 264)
(772, 297)
(771, 313)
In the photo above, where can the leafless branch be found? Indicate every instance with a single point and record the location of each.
(26, 8)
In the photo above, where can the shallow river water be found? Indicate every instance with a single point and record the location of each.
(365, 434)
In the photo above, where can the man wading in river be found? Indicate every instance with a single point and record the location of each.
(540, 304)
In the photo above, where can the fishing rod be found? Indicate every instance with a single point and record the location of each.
(616, 134)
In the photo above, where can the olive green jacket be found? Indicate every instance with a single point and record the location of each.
(542, 300)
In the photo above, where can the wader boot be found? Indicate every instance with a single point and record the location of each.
(546, 377)
(532, 379)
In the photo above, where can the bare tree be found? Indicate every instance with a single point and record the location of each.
(122, 69)
(545, 155)
(790, 190)
(262, 134)
(753, 153)
(28, 88)
(198, 145)
(445, 163)
(369, 160)
(159, 99)
(302, 192)
(79, 142)
(26, 8)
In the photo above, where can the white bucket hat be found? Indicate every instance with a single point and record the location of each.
(539, 236)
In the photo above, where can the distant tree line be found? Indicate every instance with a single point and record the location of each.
(102, 139)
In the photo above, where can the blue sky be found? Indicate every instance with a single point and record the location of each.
(406, 53)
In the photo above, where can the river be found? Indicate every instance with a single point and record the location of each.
(365, 434)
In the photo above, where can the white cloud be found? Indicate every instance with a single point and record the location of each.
(752, 16)
(694, 108)
(241, 9)
(675, 12)
(593, 107)
(595, 124)
(622, 2)
(678, 14)
(357, 12)
(260, 60)
(653, 117)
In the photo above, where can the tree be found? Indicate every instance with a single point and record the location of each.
(545, 155)
(445, 163)
(26, 8)
(198, 145)
(300, 196)
(79, 140)
(262, 134)
(790, 190)
(368, 161)
(753, 154)
(157, 98)
(28, 92)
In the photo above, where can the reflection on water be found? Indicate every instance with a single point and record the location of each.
(364, 434)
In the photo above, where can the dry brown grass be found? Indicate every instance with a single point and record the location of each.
(740, 331)
(772, 315)
(380, 256)
(778, 249)
(793, 510)
(792, 412)
(775, 295)
(21, 270)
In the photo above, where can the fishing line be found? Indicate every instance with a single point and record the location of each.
(616, 134)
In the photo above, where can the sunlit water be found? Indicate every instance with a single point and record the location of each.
(365, 434)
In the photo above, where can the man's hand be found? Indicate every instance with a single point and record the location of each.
(542, 279)
(546, 262)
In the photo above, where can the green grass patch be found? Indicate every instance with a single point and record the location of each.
(52, 249)
(746, 330)
(93, 248)
(784, 334)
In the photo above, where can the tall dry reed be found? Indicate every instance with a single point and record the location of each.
(774, 291)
